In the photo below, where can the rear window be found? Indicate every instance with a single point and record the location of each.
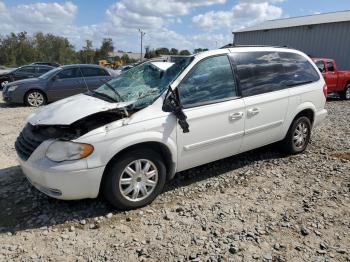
(263, 72)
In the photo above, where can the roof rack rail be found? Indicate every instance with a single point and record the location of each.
(234, 45)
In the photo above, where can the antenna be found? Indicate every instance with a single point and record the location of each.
(87, 87)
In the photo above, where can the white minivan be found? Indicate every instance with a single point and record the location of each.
(134, 133)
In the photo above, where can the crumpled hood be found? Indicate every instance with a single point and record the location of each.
(71, 109)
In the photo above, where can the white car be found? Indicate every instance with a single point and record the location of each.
(130, 136)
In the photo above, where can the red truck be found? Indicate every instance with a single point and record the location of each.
(337, 81)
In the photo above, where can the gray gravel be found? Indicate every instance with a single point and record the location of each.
(258, 206)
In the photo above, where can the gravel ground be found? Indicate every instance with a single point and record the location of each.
(258, 206)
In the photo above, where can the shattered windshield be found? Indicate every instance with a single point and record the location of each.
(144, 83)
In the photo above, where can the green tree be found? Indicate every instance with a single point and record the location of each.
(184, 52)
(17, 49)
(163, 51)
(125, 59)
(174, 51)
(87, 54)
(55, 49)
(199, 50)
(106, 48)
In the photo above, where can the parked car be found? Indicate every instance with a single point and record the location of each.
(23, 72)
(47, 63)
(337, 81)
(132, 135)
(56, 84)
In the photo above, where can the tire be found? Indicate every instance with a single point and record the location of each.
(298, 136)
(127, 190)
(345, 95)
(3, 83)
(35, 98)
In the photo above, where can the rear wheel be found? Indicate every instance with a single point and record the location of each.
(345, 95)
(135, 179)
(35, 98)
(298, 136)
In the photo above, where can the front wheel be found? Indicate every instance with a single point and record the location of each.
(4, 83)
(135, 179)
(345, 95)
(298, 136)
(35, 98)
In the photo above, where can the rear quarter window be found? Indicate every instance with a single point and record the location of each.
(263, 72)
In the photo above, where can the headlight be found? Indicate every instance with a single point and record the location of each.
(64, 150)
(12, 88)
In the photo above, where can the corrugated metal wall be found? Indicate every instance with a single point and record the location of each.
(323, 40)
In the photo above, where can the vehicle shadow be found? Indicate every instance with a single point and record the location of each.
(22, 207)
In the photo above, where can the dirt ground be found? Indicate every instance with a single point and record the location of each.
(258, 206)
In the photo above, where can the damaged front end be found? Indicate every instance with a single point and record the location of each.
(33, 135)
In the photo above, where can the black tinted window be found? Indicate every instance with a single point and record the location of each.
(91, 71)
(42, 70)
(26, 70)
(211, 80)
(330, 66)
(69, 73)
(321, 66)
(262, 72)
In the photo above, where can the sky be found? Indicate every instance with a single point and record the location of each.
(182, 24)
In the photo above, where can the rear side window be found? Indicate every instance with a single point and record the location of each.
(91, 71)
(69, 73)
(42, 70)
(210, 81)
(26, 70)
(263, 72)
(330, 67)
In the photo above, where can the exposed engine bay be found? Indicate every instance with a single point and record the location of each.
(33, 135)
(80, 127)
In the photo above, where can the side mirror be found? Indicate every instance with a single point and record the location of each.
(56, 77)
(172, 105)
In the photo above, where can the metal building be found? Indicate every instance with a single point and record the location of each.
(324, 35)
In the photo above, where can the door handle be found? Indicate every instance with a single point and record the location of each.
(253, 111)
(236, 116)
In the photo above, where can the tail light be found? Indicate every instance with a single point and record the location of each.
(325, 90)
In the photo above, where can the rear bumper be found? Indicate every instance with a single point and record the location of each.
(320, 117)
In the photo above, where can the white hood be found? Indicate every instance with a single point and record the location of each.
(71, 109)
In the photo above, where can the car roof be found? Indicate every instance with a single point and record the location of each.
(36, 65)
(323, 59)
(237, 49)
(81, 65)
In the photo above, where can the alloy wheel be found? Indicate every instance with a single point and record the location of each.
(3, 84)
(300, 135)
(138, 180)
(347, 93)
(35, 99)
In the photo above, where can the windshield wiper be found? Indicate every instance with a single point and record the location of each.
(118, 95)
(114, 91)
(103, 95)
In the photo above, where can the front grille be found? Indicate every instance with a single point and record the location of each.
(27, 142)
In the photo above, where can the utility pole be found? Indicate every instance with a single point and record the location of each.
(142, 33)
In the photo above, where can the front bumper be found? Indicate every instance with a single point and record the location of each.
(69, 181)
(6, 97)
